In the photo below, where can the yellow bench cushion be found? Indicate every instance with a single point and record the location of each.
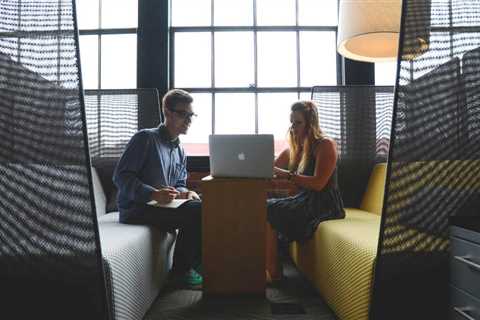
(372, 200)
(339, 260)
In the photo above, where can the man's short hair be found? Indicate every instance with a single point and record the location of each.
(174, 97)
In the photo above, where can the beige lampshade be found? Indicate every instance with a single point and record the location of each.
(368, 30)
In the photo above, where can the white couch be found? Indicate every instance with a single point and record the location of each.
(136, 259)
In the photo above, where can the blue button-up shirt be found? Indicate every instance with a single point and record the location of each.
(151, 160)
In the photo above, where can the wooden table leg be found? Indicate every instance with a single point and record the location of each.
(273, 269)
(233, 236)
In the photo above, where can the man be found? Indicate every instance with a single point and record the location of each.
(153, 167)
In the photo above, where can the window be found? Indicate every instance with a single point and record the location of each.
(108, 43)
(385, 73)
(245, 65)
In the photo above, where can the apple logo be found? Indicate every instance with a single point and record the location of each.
(241, 156)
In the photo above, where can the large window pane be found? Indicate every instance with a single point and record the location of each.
(276, 64)
(193, 60)
(234, 113)
(277, 59)
(305, 96)
(89, 61)
(276, 12)
(233, 13)
(195, 141)
(385, 73)
(119, 13)
(234, 59)
(315, 12)
(119, 61)
(274, 116)
(318, 58)
(191, 12)
(87, 13)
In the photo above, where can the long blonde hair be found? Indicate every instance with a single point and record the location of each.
(299, 156)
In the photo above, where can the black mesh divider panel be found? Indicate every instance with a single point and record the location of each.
(434, 168)
(113, 117)
(359, 119)
(50, 260)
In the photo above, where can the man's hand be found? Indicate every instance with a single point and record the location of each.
(189, 195)
(165, 195)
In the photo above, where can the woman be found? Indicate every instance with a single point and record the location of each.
(310, 163)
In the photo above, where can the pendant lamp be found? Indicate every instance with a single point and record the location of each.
(368, 30)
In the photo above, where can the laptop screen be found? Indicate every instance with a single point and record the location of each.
(242, 156)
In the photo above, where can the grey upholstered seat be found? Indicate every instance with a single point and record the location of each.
(138, 259)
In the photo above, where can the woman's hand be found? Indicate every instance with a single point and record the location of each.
(280, 173)
(165, 195)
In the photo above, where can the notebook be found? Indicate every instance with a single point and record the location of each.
(241, 155)
(175, 203)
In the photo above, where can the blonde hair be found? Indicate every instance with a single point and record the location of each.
(299, 156)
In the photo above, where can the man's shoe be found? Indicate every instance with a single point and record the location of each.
(199, 269)
(192, 279)
(187, 280)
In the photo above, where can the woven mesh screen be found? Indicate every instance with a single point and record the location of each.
(359, 119)
(114, 116)
(434, 172)
(50, 261)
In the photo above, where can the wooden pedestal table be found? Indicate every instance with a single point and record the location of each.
(234, 235)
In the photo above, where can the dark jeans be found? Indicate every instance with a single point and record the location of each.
(188, 219)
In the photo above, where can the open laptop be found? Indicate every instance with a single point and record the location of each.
(241, 155)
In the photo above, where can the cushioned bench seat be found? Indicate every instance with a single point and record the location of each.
(339, 259)
(137, 259)
(341, 268)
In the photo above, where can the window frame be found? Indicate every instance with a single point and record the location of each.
(200, 163)
(255, 29)
(99, 32)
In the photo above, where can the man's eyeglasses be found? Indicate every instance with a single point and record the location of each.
(184, 114)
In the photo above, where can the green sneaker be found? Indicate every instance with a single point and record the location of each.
(199, 269)
(192, 279)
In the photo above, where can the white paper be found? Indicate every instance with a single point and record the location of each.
(175, 203)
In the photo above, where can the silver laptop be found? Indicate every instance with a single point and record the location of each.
(241, 155)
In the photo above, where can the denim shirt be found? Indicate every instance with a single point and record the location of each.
(150, 161)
